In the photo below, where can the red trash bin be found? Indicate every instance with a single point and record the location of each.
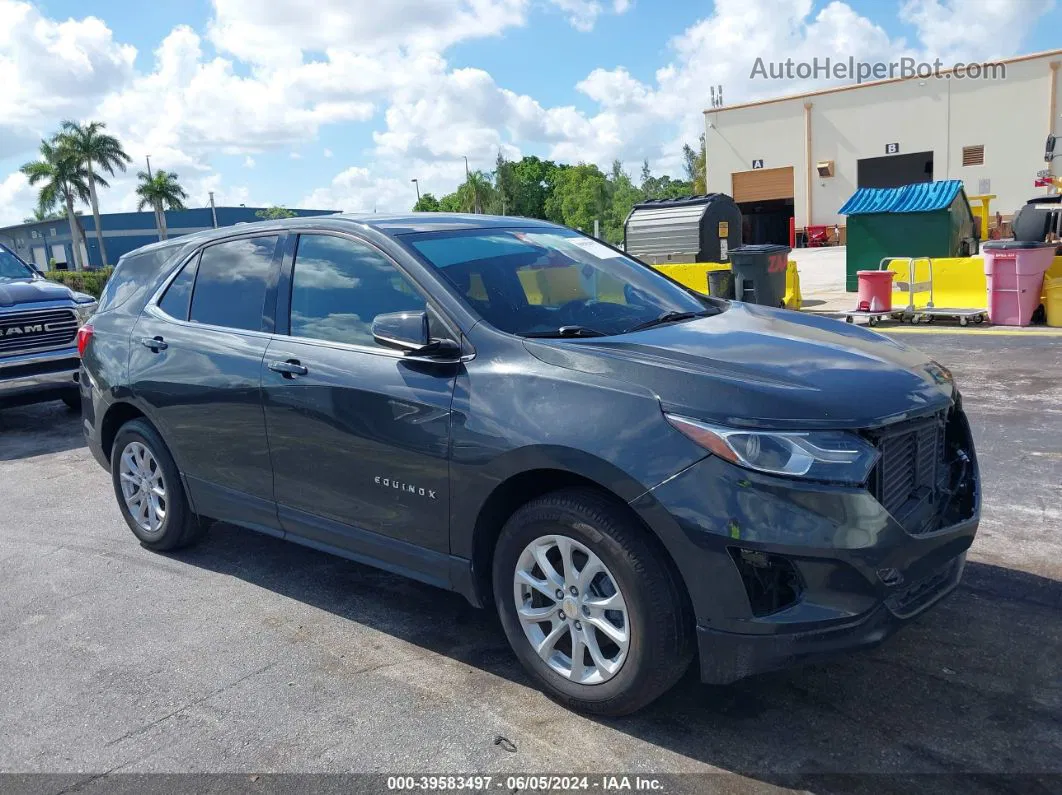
(1015, 275)
(875, 291)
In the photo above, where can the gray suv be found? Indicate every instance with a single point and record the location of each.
(632, 474)
(39, 322)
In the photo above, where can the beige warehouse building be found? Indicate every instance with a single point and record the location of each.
(802, 156)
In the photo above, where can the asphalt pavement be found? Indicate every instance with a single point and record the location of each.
(249, 655)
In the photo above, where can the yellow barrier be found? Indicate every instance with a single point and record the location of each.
(695, 276)
(692, 274)
(958, 282)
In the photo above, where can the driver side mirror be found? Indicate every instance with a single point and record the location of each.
(409, 332)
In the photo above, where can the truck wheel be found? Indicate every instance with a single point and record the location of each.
(72, 399)
(149, 490)
(590, 605)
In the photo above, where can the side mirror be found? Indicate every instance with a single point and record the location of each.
(408, 331)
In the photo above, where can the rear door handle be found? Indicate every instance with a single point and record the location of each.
(289, 369)
(154, 343)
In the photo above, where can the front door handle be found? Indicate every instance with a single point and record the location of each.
(289, 369)
(156, 344)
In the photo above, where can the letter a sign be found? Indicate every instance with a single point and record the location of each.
(757, 164)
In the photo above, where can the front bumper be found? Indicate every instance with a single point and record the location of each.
(852, 575)
(36, 377)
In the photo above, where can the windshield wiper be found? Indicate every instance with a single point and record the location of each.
(567, 331)
(667, 317)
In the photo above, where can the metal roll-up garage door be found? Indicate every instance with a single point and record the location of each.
(762, 184)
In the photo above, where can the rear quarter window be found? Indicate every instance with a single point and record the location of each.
(136, 278)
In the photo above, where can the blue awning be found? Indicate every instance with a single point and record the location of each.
(922, 197)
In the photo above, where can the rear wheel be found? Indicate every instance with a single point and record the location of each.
(590, 604)
(149, 490)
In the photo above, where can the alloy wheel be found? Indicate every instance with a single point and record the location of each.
(571, 609)
(143, 487)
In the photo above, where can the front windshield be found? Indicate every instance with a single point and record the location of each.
(553, 282)
(11, 267)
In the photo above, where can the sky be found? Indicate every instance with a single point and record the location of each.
(339, 104)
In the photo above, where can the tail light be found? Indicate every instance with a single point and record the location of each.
(84, 334)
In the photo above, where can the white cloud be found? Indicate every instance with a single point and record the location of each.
(248, 162)
(327, 153)
(52, 70)
(295, 155)
(277, 32)
(583, 14)
(956, 30)
(17, 199)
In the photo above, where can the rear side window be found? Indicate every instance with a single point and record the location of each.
(231, 283)
(175, 301)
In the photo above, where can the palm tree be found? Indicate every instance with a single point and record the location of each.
(94, 149)
(161, 192)
(63, 178)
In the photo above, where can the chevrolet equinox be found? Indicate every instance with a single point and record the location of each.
(634, 474)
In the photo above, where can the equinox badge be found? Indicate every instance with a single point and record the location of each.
(390, 483)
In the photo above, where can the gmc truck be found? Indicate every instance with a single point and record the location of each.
(39, 321)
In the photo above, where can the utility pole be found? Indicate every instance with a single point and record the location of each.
(213, 210)
(416, 182)
(148, 158)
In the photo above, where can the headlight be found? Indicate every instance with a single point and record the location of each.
(836, 456)
(84, 312)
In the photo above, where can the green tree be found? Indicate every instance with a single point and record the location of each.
(94, 150)
(62, 179)
(427, 203)
(579, 196)
(274, 213)
(160, 191)
(695, 166)
(450, 203)
(623, 195)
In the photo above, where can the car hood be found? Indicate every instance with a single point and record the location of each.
(752, 366)
(29, 292)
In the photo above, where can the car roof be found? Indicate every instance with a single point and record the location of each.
(387, 224)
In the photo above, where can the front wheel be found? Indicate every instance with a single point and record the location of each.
(149, 490)
(590, 603)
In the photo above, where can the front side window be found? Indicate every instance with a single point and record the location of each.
(553, 282)
(12, 268)
(231, 283)
(339, 285)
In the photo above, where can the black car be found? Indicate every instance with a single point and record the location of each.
(633, 473)
(39, 321)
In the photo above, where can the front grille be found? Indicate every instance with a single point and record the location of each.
(36, 330)
(911, 475)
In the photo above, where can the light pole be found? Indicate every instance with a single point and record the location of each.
(416, 182)
(148, 158)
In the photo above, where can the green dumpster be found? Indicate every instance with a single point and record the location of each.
(927, 219)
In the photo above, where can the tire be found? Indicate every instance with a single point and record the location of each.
(657, 618)
(72, 399)
(178, 527)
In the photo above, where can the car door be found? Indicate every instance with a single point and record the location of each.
(196, 362)
(358, 433)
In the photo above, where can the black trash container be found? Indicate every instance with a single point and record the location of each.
(759, 273)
